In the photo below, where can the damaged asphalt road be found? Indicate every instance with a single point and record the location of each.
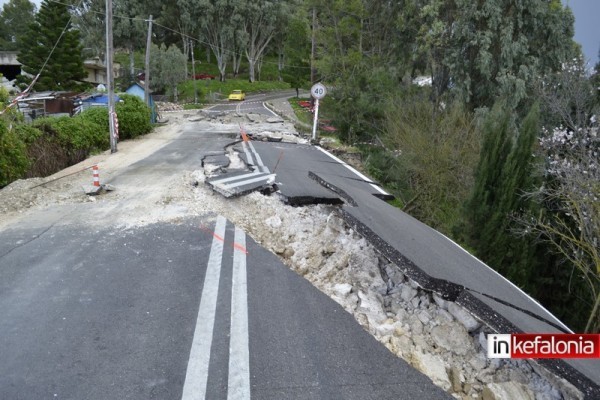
(309, 175)
(129, 296)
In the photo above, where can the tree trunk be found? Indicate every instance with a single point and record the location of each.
(237, 62)
(251, 66)
(186, 51)
(131, 61)
(280, 65)
(222, 65)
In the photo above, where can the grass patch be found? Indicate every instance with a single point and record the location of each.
(302, 113)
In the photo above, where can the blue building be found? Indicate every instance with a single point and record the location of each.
(138, 90)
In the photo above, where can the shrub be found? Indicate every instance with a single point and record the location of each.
(13, 156)
(63, 142)
(97, 115)
(27, 133)
(134, 117)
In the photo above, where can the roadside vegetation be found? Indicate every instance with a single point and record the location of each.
(498, 149)
(51, 144)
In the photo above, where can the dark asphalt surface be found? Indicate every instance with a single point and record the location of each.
(422, 251)
(106, 312)
(253, 104)
(110, 315)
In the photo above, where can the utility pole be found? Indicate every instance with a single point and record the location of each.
(312, 46)
(147, 67)
(110, 77)
(194, 73)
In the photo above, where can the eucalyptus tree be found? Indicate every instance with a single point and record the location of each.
(181, 16)
(89, 17)
(296, 46)
(494, 48)
(13, 22)
(217, 25)
(130, 25)
(260, 21)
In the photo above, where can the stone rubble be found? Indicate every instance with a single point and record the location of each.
(439, 338)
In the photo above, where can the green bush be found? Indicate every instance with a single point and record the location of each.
(75, 133)
(13, 156)
(63, 141)
(134, 117)
(27, 133)
(97, 115)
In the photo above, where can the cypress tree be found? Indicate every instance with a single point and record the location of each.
(505, 172)
(64, 69)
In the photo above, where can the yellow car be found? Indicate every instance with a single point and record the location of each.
(237, 95)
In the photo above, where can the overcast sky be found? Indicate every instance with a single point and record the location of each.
(587, 25)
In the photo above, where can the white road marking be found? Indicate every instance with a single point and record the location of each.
(264, 177)
(380, 190)
(267, 108)
(196, 376)
(236, 178)
(247, 152)
(239, 358)
(258, 159)
(556, 320)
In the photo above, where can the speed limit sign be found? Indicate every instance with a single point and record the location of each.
(318, 91)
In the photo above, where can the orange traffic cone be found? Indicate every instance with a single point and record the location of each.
(96, 176)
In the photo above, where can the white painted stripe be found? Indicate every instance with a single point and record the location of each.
(247, 152)
(269, 110)
(559, 322)
(264, 177)
(196, 376)
(239, 359)
(368, 180)
(236, 178)
(258, 159)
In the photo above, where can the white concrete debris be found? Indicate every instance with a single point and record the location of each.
(438, 337)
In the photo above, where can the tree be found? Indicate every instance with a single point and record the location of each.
(505, 172)
(51, 47)
(217, 26)
(260, 17)
(167, 68)
(570, 219)
(130, 25)
(90, 21)
(296, 49)
(364, 50)
(13, 24)
(428, 162)
(492, 48)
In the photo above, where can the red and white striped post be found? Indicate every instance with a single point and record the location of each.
(96, 175)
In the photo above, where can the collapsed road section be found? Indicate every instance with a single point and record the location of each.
(433, 263)
(237, 182)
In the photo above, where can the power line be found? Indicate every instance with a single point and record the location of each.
(22, 94)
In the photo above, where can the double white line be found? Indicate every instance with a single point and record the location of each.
(239, 361)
